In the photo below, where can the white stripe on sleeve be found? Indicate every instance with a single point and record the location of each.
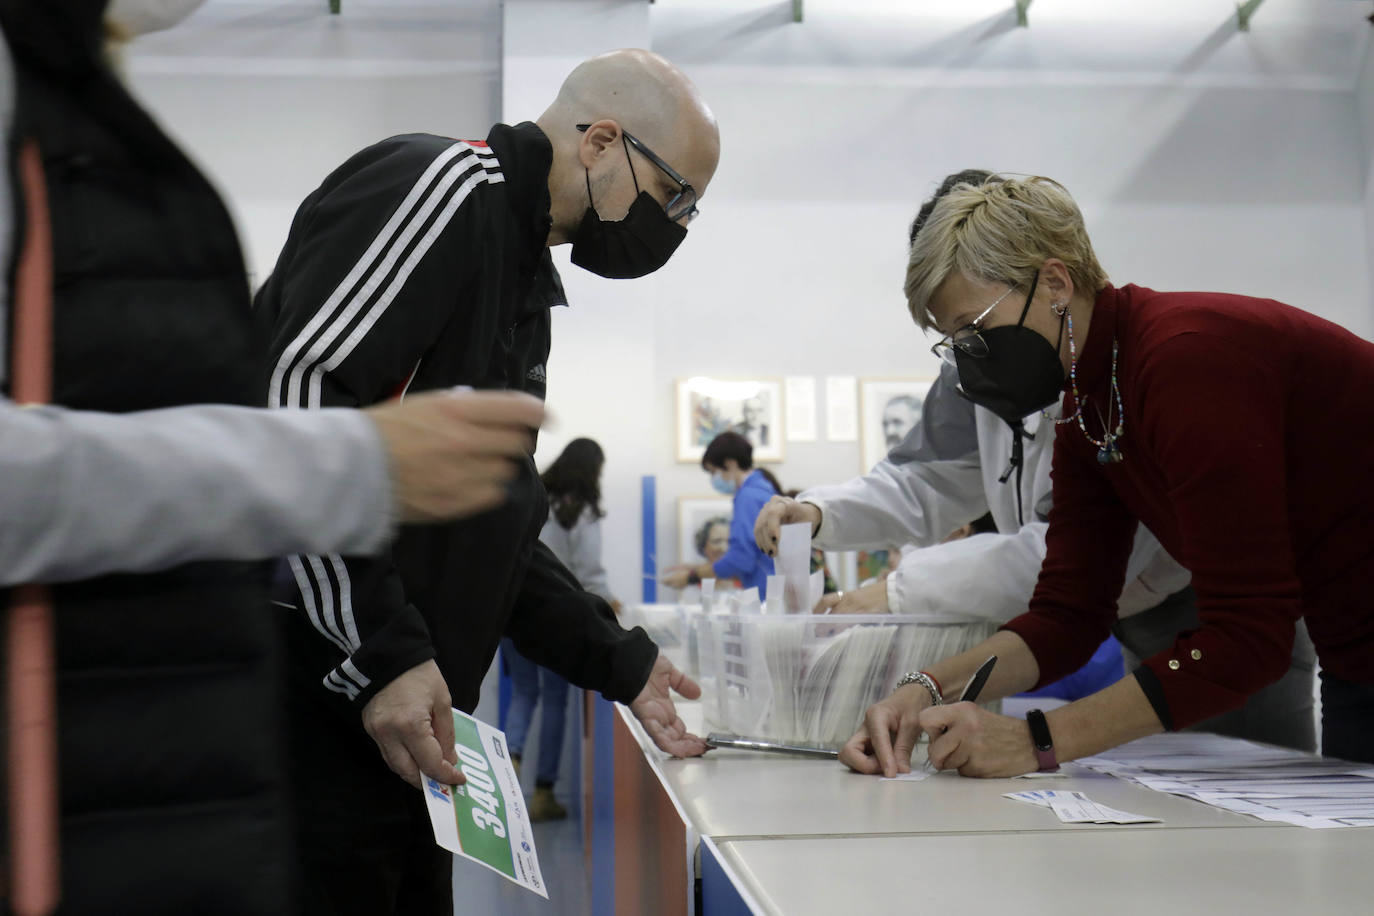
(322, 346)
(319, 355)
(350, 669)
(325, 312)
(305, 584)
(334, 682)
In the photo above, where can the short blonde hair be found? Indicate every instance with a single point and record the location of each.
(999, 231)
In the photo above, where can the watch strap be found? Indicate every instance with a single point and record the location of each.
(1041, 741)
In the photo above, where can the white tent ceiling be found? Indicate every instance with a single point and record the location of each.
(1316, 44)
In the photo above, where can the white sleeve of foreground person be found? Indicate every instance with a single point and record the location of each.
(86, 493)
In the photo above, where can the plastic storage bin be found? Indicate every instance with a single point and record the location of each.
(671, 627)
(808, 679)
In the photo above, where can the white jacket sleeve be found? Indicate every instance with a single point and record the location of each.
(87, 493)
(988, 576)
(935, 482)
(992, 576)
(893, 505)
(929, 485)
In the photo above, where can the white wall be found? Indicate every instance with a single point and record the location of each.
(602, 354)
(271, 95)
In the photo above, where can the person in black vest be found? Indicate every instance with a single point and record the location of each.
(169, 696)
(423, 262)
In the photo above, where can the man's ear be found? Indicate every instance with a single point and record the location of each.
(598, 139)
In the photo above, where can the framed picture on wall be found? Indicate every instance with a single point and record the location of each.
(872, 564)
(888, 409)
(703, 528)
(707, 407)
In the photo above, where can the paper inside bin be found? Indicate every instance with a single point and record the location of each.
(801, 589)
(808, 679)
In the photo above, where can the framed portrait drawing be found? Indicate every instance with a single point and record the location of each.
(703, 528)
(888, 409)
(707, 407)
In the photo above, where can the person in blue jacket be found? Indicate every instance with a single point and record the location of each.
(729, 459)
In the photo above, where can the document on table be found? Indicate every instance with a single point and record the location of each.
(916, 775)
(1270, 783)
(485, 820)
(1077, 808)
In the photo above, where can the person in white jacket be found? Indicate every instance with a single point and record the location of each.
(960, 462)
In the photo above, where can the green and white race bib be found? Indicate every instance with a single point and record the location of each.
(485, 820)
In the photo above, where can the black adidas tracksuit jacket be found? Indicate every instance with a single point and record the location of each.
(421, 263)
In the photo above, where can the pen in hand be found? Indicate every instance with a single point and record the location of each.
(970, 693)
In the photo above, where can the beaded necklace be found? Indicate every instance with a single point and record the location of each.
(1108, 452)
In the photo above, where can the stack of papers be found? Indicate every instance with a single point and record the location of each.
(821, 687)
(808, 679)
(823, 674)
(1271, 783)
(1077, 808)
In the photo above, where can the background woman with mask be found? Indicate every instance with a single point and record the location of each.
(1215, 420)
(729, 459)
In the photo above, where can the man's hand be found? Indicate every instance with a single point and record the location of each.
(870, 599)
(977, 742)
(452, 453)
(873, 749)
(654, 710)
(779, 511)
(411, 721)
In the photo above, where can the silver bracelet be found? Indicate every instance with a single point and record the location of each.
(926, 681)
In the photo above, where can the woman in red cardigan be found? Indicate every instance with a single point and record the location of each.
(1238, 430)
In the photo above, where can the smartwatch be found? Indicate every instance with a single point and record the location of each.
(1040, 738)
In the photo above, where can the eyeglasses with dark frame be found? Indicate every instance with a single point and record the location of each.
(684, 202)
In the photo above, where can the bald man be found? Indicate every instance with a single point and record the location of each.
(423, 263)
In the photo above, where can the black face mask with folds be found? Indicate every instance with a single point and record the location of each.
(639, 244)
(1020, 374)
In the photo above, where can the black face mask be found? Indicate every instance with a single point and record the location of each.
(1021, 373)
(639, 244)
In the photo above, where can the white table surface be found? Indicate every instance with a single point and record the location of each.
(730, 793)
(1064, 872)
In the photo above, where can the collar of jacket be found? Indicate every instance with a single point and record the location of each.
(526, 155)
(1095, 353)
(753, 481)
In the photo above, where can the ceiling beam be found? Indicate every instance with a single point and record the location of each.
(1243, 13)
